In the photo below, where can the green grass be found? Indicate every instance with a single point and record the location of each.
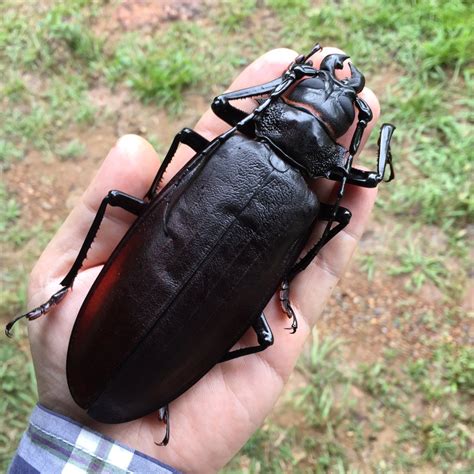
(17, 393)
(9, 209)
(322, 376)
(420, 267)
(443, 384)
(422, 36)
(325, 413)
(160, 69)
(277, 448)
(72, 150)
(324, 402)
(450, 371)
(233, 15)
(416, 53)
(48, 39)
(38, 119)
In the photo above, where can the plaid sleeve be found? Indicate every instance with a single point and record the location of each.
(55, 444)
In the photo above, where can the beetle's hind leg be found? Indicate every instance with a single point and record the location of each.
(115, 199)
(164, 416)
(341, 216)
(264, 338)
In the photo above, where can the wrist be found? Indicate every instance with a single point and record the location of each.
(53, 443)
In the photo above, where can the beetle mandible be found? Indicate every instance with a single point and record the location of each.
(223, 235)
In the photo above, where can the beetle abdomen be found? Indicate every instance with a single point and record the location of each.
(232, 234)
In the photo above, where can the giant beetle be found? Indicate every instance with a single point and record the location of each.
(242, 206)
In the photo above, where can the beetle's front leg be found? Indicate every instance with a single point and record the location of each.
(222, 107)
(114, 198)
(370, 179)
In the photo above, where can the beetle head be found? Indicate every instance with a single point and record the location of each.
(329, 99)
(306, 123)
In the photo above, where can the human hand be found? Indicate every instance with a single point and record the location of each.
(212, 420)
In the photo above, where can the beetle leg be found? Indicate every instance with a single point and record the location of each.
(115, 199)
(164, 416)
(187, 137)
(342, 217)
(264, 338)
(39, 311)
(232, 115)
(370, 179)
(286, 305)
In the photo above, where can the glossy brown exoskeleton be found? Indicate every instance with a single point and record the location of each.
(207, 252)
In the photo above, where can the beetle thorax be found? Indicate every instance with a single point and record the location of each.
(300, 137)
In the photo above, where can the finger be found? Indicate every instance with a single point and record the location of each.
(130, 167)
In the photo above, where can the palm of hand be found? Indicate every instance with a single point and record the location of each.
(212, 420)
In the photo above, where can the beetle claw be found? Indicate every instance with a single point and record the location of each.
(286, 306)
(164, 416)
(294, 324)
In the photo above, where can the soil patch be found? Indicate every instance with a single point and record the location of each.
(145, 15)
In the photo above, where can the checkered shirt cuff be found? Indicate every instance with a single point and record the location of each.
(56, 444)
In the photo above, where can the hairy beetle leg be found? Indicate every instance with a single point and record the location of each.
(264, 338)
(222, 107)
(164, 416)
(115, 199)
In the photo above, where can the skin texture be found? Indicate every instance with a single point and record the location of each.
(214, 419)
